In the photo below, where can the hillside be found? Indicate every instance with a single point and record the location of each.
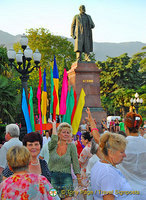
(116, 49)
(7, 39)
(101, 49)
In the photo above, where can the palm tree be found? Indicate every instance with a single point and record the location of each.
(7, 100)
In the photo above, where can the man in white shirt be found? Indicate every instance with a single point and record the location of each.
(83, 126)
(12, 138)
(44, 154)
(47, 136)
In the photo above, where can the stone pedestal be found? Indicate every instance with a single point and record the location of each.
(86, 75)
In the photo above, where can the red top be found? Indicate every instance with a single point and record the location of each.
(79, 148)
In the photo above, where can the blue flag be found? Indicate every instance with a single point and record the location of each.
(44, 80)
(55, 70)
(25, 112)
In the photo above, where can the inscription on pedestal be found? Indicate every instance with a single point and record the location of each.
(86, 75)
(87, 81)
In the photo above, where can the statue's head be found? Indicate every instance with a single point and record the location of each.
(82, 9)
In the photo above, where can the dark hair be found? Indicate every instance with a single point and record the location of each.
(122, 133)
(33, 137)
(48, 131)
(87, 136)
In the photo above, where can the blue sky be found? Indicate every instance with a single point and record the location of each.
(115, 20)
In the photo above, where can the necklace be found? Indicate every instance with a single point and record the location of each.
(34, 164)
(109, 162)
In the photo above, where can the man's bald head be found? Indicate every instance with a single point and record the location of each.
(82, 9)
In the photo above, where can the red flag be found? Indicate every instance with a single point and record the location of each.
(40, 77)
(29, 104)
(75, 105)
(39, 99)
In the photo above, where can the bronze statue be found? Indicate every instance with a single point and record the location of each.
(81, 31)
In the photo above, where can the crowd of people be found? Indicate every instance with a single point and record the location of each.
(112, 126)
(88, 166)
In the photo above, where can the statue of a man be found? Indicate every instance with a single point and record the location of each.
(81, 31)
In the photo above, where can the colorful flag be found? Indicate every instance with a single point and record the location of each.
(54, 104)
(56, 85)
(52, 89)
(44, 99)
(39, 99)
(25, 112)
(70, 107)
(28, 104)
(78, 112)
(75, 106)
(64, 90)
(67, 99)
(31, 114)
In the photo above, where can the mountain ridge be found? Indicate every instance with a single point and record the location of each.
(102, 50)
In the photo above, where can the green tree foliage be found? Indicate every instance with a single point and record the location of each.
(142, 58)
(4, 69)
(142, 94)
(142, 61)
(10, 99)
(7, 100)
(119, 78)
(50, 45)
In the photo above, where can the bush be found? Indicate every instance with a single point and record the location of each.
(2, 132)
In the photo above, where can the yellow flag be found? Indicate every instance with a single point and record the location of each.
(78, 112)
(44, 106)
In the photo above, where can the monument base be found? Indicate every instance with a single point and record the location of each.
(86, 75)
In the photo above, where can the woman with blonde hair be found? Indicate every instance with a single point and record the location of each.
(23, 185)
(134, 165)
(63, 153)
(113, 155)
(105, 177)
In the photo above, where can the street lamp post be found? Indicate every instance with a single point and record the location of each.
(24, 68)
(136, 102)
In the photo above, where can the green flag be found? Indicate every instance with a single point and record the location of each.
(68, 93)
(70, 106)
